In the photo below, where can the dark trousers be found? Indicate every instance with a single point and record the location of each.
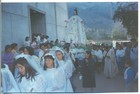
(72, 81)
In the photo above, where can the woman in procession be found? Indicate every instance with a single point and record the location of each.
(57, 69)
(29, 79)
(55, 77)
(66, 67)
(7, 57)
(88, 72)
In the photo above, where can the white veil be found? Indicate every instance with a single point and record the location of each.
(52, 53)
(8, 81)
(59, 83)
(31, 62)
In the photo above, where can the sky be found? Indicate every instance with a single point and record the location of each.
(95, 14)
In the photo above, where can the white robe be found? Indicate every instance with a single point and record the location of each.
(110, 68)
(36, 59)
(67, 67)
(33, 62)
(67, 56)
(37, 85)
(8, 81)
(41, 53)
(69, 59)
(55, 80)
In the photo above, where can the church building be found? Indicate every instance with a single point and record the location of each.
(24, 19)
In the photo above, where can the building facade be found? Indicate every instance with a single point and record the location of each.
(24, 19)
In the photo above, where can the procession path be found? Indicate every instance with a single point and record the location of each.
(103, 85)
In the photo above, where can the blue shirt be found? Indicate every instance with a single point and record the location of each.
(129, 75)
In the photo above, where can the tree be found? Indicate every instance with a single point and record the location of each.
(127, 13)
(119, 32)
(119, 35)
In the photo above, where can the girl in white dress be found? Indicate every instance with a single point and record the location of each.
(66, 67)
(28, 79)
(8, 82)
(55, 77)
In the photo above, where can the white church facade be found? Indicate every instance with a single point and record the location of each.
(75, 30)
(23, 19)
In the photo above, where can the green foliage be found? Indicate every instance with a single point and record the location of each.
(101, 35)
(119, 32)
(128, 15)
(119, 35)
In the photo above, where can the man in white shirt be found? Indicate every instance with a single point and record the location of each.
(99, 56)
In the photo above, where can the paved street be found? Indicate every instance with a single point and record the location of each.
(102, 84)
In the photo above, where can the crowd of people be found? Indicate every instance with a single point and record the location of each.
(47, 66)
(119, 60)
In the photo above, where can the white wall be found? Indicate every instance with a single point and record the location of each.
(14, 24)
(61, 9)
(0, 28)
(16, 20)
